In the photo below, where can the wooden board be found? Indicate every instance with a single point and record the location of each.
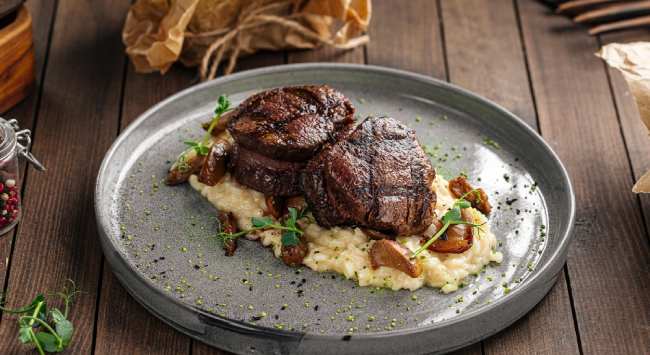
(16, 60)
(57, 239)
(25, 112)
(608, 260)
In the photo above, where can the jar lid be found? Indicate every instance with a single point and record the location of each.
(15, 140)
(7, 139)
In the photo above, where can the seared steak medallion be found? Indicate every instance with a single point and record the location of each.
(281, 129)
(270, 176)
(376, 176)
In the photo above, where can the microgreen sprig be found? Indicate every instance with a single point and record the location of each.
(452, 217)
(202, 146)
(290, 230)
(51, 331)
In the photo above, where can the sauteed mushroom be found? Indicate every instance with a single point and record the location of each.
(180, 171)
(391, 254)
(214, 166)
(228, 225)
(293, 255)
(457, 239)
(479, 199)
(275, 206)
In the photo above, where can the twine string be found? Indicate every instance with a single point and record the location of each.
(251, 17)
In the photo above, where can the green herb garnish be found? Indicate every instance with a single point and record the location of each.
(290, 230)
(452, 217)
(202, 147)
(489, 141)
(51, 331)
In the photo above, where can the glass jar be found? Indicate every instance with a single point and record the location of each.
(14, 143)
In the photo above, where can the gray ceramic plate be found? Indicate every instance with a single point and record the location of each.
(159, 242)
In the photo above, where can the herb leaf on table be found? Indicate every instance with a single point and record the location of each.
(35, 322)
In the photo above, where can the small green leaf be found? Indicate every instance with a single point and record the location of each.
(39, 298)
(48, 342)
(223, 105)
(191, 143)
(24, 334)
(452, 215)
(293, 214)
(463, 204)
(261, 222)
(289, 238)
(202, 149)
(63, 327)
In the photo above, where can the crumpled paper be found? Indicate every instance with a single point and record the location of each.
(204, 33)
(633, 60)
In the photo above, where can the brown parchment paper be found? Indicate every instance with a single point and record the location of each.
(633, 60)
(204, 33)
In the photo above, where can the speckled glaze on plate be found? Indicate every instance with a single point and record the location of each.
(158, 239)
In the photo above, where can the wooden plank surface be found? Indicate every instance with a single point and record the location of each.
(608, 261)
(408, 38)
(26, 111)
(634, 132)
(477, 33)
(57, 239)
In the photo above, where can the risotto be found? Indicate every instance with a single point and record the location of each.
(344, 250)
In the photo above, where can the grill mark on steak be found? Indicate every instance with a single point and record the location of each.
(376, 176)
(278, 130)
(290, 123)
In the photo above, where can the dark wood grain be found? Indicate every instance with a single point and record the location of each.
(634, 132)
(608, 261)
(407, 36)
(484, 55)
(25, 112)
(57, 239)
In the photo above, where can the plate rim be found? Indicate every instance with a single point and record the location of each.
(558, 256)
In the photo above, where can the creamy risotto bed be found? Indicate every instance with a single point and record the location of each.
(345, 250)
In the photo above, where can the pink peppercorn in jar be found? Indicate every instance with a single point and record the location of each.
(14, 143)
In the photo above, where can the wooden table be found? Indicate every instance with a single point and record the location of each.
(516, 53)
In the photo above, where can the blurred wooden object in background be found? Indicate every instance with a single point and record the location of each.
(607, 15)
(16, 58)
